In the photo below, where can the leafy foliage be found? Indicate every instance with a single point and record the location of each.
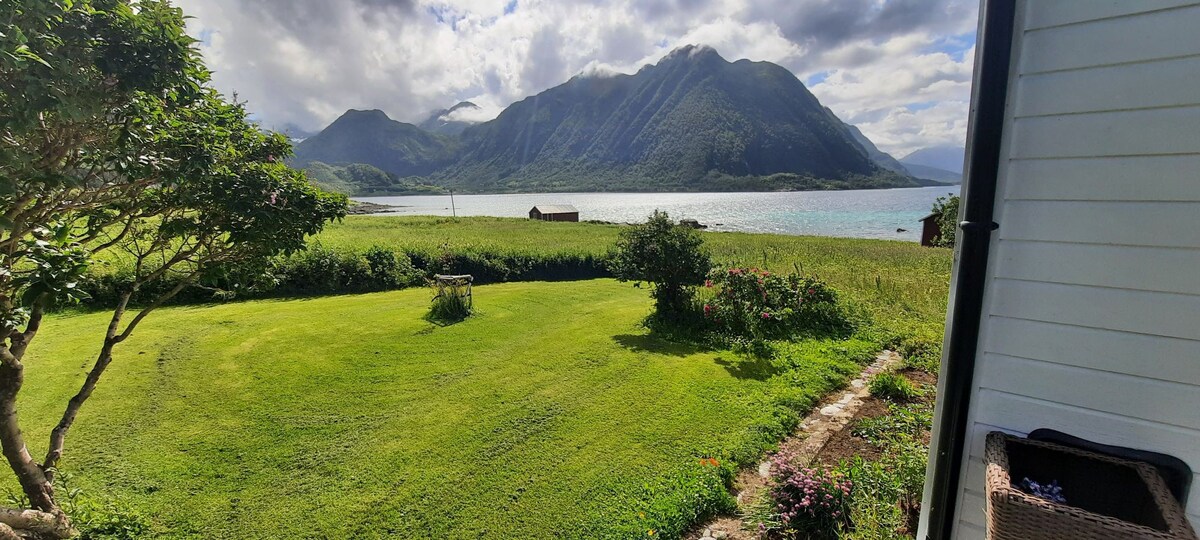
(947, 210)
(887, 491)
(758, 304)
(451, 302)
(100, 520)
(665, 254)
(893, 387)
(112, 139)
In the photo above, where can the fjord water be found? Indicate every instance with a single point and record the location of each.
(874, 213)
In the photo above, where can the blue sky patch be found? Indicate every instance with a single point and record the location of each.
(920, 106)
(510, 7)
(445, 15)
(955, 46)
(817, 78)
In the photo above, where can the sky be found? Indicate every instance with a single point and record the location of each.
(898, 69)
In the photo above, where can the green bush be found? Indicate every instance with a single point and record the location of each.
(389, 270)
(665, 254)
(893, 387)
(450, 303)
(947, 210)
(887, 492)
(108, 520)
(749, 303)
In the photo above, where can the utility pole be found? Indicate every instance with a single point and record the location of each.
(453, 210)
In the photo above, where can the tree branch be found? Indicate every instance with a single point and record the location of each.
(42, 523)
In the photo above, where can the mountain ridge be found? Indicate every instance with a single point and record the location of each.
(690, 122)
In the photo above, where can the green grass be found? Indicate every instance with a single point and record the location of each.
(548, 414)
(904, 285)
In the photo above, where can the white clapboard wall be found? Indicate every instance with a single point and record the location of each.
(1091, 320)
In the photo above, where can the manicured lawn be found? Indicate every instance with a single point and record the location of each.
(551, 414)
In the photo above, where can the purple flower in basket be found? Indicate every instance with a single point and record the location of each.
(1050, 492)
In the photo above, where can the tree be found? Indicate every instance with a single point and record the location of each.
(946, 209)
(666, 255)
(111, 139)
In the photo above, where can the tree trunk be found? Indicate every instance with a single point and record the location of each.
(33, 480)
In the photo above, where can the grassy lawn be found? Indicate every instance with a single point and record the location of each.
(903, 284)
(551, 414)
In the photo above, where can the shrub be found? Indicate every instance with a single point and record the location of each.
(665, 254)
(109, 520)
(450, 302)
(389, 270)
(923, 353)
(808, 503)
(887, 492)
(893, 387)
(947, 208)
(756, 304)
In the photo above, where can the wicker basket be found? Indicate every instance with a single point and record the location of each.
(1111, 499)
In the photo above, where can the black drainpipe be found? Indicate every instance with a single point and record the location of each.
(974, 239)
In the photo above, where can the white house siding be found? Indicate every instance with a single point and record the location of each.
(1091, 320)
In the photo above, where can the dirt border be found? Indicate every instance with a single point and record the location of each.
(832, 414)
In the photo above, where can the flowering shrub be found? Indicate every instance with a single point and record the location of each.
(754, 303)
(809, 503)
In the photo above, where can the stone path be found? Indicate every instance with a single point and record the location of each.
(832, 415)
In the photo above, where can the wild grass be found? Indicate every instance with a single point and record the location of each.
(893, 387)
(549, 413)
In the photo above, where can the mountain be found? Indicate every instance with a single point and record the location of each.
(691, 122)
(451, 121)
(294, 132)
(361, 179)
(372, 138)
(881, 158)
(947, 158)
(933, 173)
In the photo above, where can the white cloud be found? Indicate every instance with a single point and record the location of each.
(304, 62)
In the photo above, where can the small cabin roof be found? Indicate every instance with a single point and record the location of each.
(931, 216)
(556, 209)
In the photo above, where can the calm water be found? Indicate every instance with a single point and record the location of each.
(862, 214)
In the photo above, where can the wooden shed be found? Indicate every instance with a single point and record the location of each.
(930, 229)
(554, 212)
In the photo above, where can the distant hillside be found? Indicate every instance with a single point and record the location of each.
(450, 121)
(362, 179)
(881, 158)
(372, 138)
(691, 122)
(934, 173)
(947, 158)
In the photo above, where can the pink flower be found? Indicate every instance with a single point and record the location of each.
(708, 283)
(766, 315)
(707, 309)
